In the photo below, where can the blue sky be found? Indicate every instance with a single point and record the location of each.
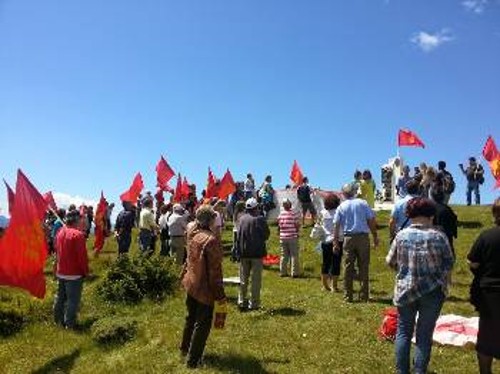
(93, 91)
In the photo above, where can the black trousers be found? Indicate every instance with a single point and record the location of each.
(196, 330)
(331, 261)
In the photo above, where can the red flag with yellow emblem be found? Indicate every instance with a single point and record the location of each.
(410, 139)
(296, 174)
(495, 170)
(23, 249)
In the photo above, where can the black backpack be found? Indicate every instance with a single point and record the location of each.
(448, 184)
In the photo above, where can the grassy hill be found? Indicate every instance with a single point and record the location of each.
(299, 329)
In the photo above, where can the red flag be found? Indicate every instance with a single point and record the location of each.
(211, 190)
(185, 189)
(226, 186)
(490, 150)
(134, 191)
(296, 174)
(49, 198)
(100, 224)
(10, 196)
(169, 189)
(163, 173)
(409, 138)
(23, 249)
(495, 170)
(178, 190)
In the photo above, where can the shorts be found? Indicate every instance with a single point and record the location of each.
(308, 207)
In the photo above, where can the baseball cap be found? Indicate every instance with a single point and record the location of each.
(251, 203)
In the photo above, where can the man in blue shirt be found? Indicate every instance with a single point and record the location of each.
(398, 219)
(123, 227)
(357, 219)
(402, 180)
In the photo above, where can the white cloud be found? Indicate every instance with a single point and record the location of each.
(428, 42)
(475, 6)
(64, 200)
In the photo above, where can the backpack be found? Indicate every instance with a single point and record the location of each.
(448, 184)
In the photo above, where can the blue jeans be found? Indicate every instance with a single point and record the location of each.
(473, 186)
(145, 240)
(428, 308)
(67, 301)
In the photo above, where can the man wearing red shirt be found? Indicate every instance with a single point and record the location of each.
(71, 267)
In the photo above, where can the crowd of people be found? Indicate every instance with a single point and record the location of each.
(422, 229)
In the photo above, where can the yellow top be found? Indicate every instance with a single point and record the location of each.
(367, 188)
(147, 220)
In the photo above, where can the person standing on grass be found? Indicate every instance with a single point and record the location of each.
(124, 224)
(402, 180)
(484, 261)
(266, 195)
(288, 228)
(202, 280)
(239, 211)
(166, 211)
(219, 207)
(332, 259)
(251, 248)
(445, 218)
(357, 219)
(445, 178)
(249, 187)
(70, 268)
(475, 177)
(177, 224)
(422, 258)
(356, 183)
(304, 195)
(399, 220)
(147, 227)
(367, 188)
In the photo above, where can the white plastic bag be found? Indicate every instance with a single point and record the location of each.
(318, 232)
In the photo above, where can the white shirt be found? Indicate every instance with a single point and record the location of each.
(249, 185)
(177, 224)
(162, 222)
(328, 225)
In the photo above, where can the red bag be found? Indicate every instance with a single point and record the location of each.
(389, 325)
(270, 260)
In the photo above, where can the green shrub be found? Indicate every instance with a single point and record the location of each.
(114, 330)
(11, 322)
(159, 277)
(130, 280)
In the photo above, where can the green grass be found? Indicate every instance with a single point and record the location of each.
(299, 329)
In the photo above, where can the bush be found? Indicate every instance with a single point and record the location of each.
(130, 280)
(114, 330)
(11, 322)
(159, 278)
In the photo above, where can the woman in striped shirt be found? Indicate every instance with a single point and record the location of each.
(288, 227)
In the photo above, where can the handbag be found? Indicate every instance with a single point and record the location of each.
(318, 232)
